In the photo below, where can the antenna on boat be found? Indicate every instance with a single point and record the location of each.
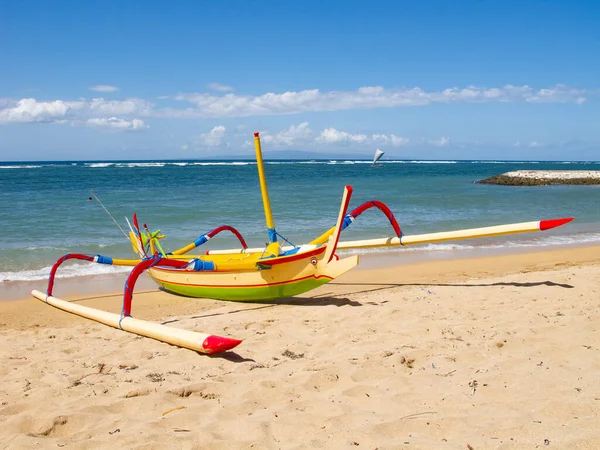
(116, 223)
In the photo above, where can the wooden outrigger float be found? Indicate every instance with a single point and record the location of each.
(200, 342)
(249, 274)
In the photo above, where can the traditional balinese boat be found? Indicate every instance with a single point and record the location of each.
(250, 274)
(376, 157)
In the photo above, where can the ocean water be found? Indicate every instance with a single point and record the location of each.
(45, 212)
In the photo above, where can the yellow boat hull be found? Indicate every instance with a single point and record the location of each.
(279, 281)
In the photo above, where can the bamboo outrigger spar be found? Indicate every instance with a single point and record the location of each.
(200, 342)
(249, 274)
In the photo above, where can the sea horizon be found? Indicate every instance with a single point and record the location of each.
(251, 158)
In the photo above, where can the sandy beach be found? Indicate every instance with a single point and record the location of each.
(482, 353)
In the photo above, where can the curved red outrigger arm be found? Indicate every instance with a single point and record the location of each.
(96, 258)
(205, 237)
(373, 203)
(138, 270)
(217, 230)
(131, 279)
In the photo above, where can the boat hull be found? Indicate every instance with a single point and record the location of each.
(280, 281)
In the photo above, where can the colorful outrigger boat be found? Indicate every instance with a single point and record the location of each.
(250, 274)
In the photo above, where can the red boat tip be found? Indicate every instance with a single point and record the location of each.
(553, 223)
(215, 344)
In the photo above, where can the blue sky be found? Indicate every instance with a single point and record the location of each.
(194, 79)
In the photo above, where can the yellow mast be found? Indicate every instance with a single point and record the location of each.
(264, 191)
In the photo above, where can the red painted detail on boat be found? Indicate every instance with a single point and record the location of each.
(135, 222)
(59, 262)
(256, 134)
(138, 270)
(217, 230)
(383, 208)
(139, 233)
(290, 258)
(553, 223)
(157, 270)
(221, 271)
(215, 344)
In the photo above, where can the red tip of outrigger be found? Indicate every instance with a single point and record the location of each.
(215, 344)
(553, 223)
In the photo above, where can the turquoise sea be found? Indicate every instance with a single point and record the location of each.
(45, 211)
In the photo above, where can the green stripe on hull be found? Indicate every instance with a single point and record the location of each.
(240, 294)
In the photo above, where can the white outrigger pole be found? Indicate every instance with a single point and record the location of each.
(200, 342)
(469, 233)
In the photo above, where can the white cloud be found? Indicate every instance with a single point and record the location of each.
(294, 135)
(214, 137)
(104, 88)
(370, 90)
(331, 135)
(368, 97)
(30, 110)
(381, 137)
(392, 139)
(114, 123)
(399, 141)
(206, 105)
(302, 135)
(219, 87)
(441, 142)
(59, 111)
(534, 144)
(119, 107)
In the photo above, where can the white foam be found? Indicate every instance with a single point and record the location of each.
(99, 165)
(65, 271)
(45, 247)
(144, 164)
(233, 163)
(431, 162)
(20, 167)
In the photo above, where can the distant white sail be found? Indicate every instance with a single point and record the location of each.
(378, 155)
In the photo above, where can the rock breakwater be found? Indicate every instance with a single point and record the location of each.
(545, 177)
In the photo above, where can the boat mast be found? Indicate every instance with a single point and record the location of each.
(263, 190)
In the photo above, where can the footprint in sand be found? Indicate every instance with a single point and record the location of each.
(199, 390)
